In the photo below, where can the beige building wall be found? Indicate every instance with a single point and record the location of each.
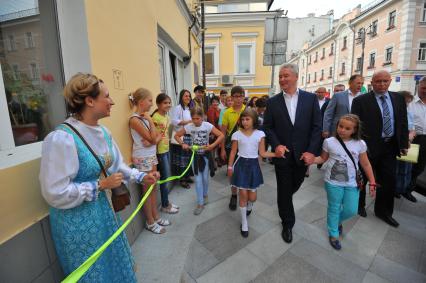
(123, 36)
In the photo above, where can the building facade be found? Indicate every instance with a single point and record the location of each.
(390, 34)
(234, 47)
(42, 44)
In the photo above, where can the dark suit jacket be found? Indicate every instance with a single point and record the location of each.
(304, 136)
(324, 107)
(368, 110)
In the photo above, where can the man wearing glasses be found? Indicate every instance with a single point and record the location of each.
(230, 126)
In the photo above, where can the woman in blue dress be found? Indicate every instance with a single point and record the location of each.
(81, 216)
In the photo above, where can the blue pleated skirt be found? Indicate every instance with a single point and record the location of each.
(247, 173)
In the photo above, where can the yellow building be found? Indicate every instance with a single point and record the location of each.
(234, 46)
(129, 44)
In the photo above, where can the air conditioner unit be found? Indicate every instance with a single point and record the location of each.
(227, 79)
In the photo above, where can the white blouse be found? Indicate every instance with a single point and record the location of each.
(177, 115)
(60, 165)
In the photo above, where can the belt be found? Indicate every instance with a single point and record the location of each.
(387, 139)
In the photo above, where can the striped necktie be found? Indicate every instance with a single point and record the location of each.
(387, 126)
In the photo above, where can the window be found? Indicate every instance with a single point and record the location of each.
(345, 42)
(303, 63)
(303, 80)
(372, 60)
(391, 20)
(29, 101)
(331, 49)
(34, 72)
(374, 26)
(330, 72)
(209, 60)
(29, 42)
(322, 75)
(323, 53)
(358, 64)
(245, 58)
(309, 59)
(422, 52)
(309, 78)
(315, 76)
(423, 13)
(316, 56)
(161, 65)
(343, 69)
(388, 55)
(12, 43)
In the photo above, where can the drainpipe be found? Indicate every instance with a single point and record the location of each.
(334, 64)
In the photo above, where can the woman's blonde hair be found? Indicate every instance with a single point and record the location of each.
(354, 119)
(78, 88)
(138, 95)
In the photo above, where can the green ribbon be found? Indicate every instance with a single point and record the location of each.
(79, 272)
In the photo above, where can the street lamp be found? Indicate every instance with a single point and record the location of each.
(362, 32)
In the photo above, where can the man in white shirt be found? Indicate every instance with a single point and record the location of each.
(222, 97)
(418, 109)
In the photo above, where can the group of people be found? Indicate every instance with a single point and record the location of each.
(360, 137)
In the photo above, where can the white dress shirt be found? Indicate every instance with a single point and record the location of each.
(418, 109)
(291, 103)
(351, 97)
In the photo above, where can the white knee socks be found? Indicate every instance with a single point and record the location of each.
(244, 224)
(249, 205)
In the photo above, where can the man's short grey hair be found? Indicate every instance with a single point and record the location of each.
(422, 80)
(292, 67)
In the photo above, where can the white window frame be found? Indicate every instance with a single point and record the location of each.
(252, 58)
(28, 43)
(72, 28)
(424, 51)
(34, 77)
(215, 47)
(423, 13)
(375, 59)
(394, 21)
(385, 53)
(9, 46)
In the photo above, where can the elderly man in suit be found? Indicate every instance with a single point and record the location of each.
(292, 122)
(340, 104)
(385, 130)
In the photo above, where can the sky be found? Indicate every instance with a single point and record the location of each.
(301, 8)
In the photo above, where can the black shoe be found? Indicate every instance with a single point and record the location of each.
(244, 233)
(340, 230)
(248, 212)
(335, 243)
(362, 212)
(389, 220)
(397, 195)
(287, 235)
(233, 202)
(189, 180)
(185, 185)
(409, 196)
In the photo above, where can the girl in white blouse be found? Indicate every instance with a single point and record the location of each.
(81, 217)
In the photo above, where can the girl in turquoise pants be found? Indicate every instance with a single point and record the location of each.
(340, 174)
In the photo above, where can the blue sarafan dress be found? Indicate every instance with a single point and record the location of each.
(78, 232)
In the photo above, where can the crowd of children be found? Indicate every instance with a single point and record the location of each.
(230, 133)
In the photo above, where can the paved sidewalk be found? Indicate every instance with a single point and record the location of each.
(209, 247)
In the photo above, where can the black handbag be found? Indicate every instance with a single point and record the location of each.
(358, 174)
(120, 197)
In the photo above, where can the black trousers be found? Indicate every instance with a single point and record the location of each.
(384, 167)
(418, 167)
(290, 177)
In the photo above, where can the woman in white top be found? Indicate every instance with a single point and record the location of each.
(181, 116)
(144, 154)
(81, 217)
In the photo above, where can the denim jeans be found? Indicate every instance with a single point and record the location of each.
(165, 172)
(202, 182)
(342, 205)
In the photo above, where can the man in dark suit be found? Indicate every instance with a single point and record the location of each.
(323, 103)
(292, 123)
(385, 130)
